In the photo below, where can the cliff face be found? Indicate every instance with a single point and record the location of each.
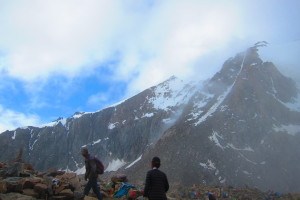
(117, 135)
(240, 127)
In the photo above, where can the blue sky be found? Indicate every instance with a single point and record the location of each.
(58, 57)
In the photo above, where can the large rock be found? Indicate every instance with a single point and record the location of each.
(41, 189)
(72, 179)
(29, 183)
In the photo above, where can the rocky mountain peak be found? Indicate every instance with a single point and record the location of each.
(236, 128)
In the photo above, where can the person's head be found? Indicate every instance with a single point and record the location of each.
(84, 152)
(155, 162)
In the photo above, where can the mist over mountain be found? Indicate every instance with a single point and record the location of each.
(242, 126)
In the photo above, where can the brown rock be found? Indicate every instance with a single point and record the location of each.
(30, 192)
(73, 179)
(67, 193)
(41, 188)
(29, 183)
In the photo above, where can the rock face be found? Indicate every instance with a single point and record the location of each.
(240, 127)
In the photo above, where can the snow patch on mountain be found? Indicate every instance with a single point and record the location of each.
(208, 165)
(294, 105)
(199, 105)
(238, 149)
(112, 125)
(63, 121)
(148, 115)
(77, 115)
(114, 165)
(92, 143)
(214, 107)
(14, 136)
(289, 129)
(250, 161)
(214, 138)
(131, 164)
(173, 92)
(80, 170)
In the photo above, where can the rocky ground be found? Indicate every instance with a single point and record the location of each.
(19, 180)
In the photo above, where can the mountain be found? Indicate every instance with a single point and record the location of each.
(240, 127)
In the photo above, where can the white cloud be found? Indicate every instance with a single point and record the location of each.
(10, 119)
(150, 40)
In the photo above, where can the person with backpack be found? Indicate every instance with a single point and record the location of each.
(93, 168)
(157, 183)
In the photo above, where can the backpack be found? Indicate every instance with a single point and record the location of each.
(99, 166)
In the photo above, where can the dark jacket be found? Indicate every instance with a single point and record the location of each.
(156, 185)
(90, 168)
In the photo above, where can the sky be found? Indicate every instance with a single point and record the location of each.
(58, 57)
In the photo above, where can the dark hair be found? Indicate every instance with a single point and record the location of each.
(156, 162)
(84, 150)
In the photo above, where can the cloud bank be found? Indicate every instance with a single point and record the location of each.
(141, 43)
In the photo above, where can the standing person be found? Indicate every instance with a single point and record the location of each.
(156, 182)
(90, 174)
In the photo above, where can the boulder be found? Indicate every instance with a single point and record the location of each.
(29, 183)
(72, 179)
(41, 189)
